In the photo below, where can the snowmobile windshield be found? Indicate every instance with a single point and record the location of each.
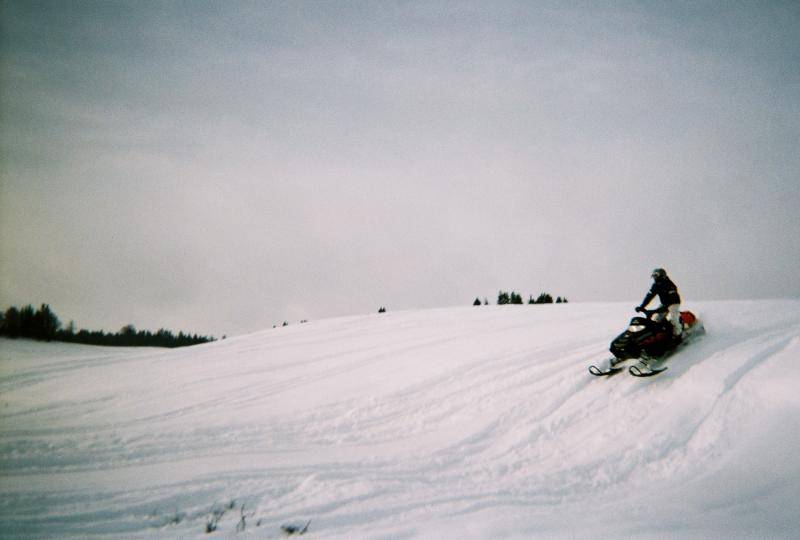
(638, 324)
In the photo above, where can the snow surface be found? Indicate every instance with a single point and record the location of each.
(477, 422)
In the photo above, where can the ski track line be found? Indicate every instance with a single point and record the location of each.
(755, 361)
(759, 359)
(208, 404)
(259, 389)
(471, 385)
(262, 390)
(478, 364)
(270, 389)
(23, 378)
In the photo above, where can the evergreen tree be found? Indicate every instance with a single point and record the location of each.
(45, 324)
(503, 298)
(26, 316)
(12, 323)
(477, 302)
(69, 333)
(127, 335)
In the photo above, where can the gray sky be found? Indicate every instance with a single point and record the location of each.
(223, 166)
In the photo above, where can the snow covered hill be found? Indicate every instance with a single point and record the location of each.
(477, 422)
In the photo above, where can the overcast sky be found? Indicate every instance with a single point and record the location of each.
(220, 167)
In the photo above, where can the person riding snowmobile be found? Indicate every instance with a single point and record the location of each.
(667, 293)
(652, 339)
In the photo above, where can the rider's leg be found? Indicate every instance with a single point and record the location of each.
(675, 318)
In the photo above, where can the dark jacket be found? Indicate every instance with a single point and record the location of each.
(666, 291)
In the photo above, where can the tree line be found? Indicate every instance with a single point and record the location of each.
(43, 325)
(504, 297)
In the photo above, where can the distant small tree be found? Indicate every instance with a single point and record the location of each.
(544, 298)
(382, 310)
(485, 301)
(516, 298)
(503, 298)
(477, 302)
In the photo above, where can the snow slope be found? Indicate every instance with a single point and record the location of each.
(452, 423)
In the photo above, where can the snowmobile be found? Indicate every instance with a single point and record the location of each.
(650, 341)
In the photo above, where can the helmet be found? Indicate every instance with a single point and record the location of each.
(659, 273)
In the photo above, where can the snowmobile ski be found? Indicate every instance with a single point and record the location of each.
(636, 371)
(597, 372)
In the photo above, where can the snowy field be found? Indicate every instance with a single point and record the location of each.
(450, 423)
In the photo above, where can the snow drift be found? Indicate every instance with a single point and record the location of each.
(464, 423)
